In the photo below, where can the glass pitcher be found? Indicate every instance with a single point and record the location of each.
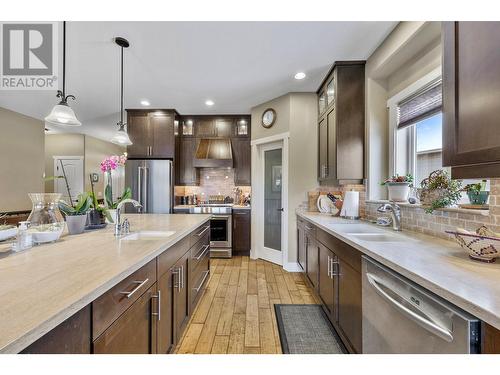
(46, 221)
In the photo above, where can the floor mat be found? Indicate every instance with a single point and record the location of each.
(305, 329)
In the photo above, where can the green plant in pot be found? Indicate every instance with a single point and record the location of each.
(76, 215)
(477, 193)
(398, 187)
(97, 214)
(439, 191)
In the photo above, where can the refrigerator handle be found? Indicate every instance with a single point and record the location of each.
(139, 186)
(146, 188)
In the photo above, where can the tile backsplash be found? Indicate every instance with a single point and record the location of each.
(213, 181)
(414, 218)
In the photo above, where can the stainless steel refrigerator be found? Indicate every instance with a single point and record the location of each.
(151, 184)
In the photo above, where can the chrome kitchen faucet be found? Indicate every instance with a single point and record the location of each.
(395, 212)
(124, 228)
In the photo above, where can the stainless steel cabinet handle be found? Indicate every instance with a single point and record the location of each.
(202, 281)
(203, 252)
(139, 286)
(422, 321)
(329, 266)
(334, 263)
(158, 313)
(177, 284)
(203, 231)
(309, 228)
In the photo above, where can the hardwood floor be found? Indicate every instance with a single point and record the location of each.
(236, 312)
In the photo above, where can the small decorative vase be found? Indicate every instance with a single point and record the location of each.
(112, 213)
(76, 223)
(398, 191)
(95, 217)
(46, 221)
(478, 197)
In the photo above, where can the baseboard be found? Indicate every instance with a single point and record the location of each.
(292, 267)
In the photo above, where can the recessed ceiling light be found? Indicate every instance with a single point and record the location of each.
(145, 103)
(209, 103)
(300, 75)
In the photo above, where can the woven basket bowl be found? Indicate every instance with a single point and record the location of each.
(483, 248)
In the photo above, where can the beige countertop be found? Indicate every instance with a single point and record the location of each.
(43, 286)
(441, 266)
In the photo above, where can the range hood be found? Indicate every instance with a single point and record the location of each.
(213, 153)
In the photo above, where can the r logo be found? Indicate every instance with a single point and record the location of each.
(27, 49)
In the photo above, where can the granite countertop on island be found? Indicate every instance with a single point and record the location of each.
(43, 286)
(438, 265)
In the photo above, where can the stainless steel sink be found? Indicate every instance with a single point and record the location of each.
(147, 235)
(376, 237)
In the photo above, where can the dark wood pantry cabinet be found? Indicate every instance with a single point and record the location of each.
(471, 93)
(341, 124)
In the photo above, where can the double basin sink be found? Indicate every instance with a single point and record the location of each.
(367, 232)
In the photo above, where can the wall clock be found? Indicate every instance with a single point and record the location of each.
(268, 118)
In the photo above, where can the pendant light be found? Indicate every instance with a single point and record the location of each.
(121, 137)
(62, 114)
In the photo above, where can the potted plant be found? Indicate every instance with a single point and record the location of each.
(439, 191)
(108, 165)
(477, 193)
(97, 213)
(398, 187)
(76, 216)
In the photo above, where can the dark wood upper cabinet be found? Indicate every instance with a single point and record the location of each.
(341, 135)
(187, 174)
(224, 128)
(134, 332)
(140, 133)
(241, 231)
(242, 161)
(204, 128)
(471, 93)
(151, 133)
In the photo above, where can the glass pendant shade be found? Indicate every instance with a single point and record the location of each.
(62, 115)
(121, 137)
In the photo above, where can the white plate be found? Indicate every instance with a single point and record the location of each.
(7, 233)
(326, 206)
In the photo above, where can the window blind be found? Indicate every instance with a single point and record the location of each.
(423, 104)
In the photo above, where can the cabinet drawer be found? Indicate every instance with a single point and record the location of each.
(108, 307)
(198, 233)
(169, 257)
(310, 229)
(344, 251)
(198, 285)
(200, 252)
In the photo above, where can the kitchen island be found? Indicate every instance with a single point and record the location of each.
(43, 287)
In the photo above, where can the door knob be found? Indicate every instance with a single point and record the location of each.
(280, 209)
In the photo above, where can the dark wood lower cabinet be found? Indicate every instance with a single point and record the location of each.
(73, 336)
(180, 298)
(241, 231)
(312, 263)
(328, 281)
(301, 245)
(165, 323)
(349, 304)
(134, 332)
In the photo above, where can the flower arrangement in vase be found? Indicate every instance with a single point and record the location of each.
(108, 165)
(398, 187)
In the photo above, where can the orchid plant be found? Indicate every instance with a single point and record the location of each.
(108, 165)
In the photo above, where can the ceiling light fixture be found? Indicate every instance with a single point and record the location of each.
(145, 103)
(121, 137)
(209, 103)
(62, 114)
(300, 75)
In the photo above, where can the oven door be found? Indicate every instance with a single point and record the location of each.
(220, 231)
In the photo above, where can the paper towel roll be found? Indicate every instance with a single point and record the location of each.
(350, 207)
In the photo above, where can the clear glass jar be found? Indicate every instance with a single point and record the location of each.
(46, 221)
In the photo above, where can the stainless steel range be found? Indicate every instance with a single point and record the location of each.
(220, 228)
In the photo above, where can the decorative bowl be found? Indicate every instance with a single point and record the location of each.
(478, 246)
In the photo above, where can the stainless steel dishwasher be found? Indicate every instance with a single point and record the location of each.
(400, 316)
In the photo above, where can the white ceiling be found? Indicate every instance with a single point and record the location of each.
(181, 64)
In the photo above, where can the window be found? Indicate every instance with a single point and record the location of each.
(416, 118)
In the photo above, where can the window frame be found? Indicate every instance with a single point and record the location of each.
(392, 105)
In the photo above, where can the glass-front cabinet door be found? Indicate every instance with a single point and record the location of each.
(330, 92)
(321, 102)
(187, 127)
